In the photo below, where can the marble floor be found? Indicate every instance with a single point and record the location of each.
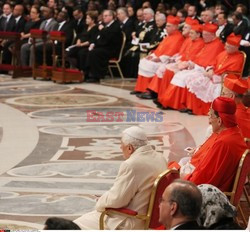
(58, 149)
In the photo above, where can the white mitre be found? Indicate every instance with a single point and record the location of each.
(136, 133)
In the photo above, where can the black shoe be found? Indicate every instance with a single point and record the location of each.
(135, 92)
(185, 110)
(146, 95)
(156, 102)
(190, 112)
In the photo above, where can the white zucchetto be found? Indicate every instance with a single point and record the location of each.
(136, 133)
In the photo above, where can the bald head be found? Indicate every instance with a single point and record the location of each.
(18, 10)
(181, 203)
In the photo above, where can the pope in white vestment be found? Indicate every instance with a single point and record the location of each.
(132, 186)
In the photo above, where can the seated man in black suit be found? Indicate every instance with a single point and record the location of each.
(63, 26)
(225, 28)
(7, 20)
(180, 206)
(106, 46)
(79, 20)
(16, 24)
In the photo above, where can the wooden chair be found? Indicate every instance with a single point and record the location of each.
(239, 182)
(151, 218)
(115, 63)
(62, 75)
(15, 65)
(247, 140)
(43, 70)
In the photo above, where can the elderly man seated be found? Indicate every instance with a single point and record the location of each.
(132, 186)
(219, 161)
(180, 206)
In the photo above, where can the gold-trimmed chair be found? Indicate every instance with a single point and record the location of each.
(239, 182)
(115, 63)
(151, 218)
(247, 140)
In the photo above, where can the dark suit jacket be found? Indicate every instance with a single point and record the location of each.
(10, 24)
(149, 29)
(19, 26)
(241, 29)
(228, 29)
(67, 28)
(128, 28)
(79, 28)
(192, 225)
(138, 27)
(110, 38)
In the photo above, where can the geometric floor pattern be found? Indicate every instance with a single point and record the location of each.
(60, 144)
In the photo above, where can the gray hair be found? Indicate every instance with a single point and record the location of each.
(149, 10)
(123, 9)
(161, 16)
(136, 143)
(188, 197)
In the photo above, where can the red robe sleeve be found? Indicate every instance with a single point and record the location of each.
(217, 168)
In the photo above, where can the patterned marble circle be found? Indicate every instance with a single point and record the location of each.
(24, 88)
(110, 130)
(62, 100)
(120, 83)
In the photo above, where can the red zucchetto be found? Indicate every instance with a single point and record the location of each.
(173, 20)
(210, 27)
(191, 21)
(226, 109)
(197, 28)
(235, 84)
(234, 40)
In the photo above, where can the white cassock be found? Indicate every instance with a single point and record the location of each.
(148, 68)
(180, 78)
(198, 84)
(131, 189)
(204, 88)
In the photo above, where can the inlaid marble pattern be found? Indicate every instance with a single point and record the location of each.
(60, 161)
(29, 89)
(61, 100)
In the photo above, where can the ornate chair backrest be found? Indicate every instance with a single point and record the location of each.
(122, 46)
(240, 178)
(160, 185)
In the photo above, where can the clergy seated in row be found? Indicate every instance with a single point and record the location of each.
(237, 88)
(234, 88)
(219, 156)
(203, 59)
(192, 44)
(198, 60)
(193, 91)
(167, 48)
(132, 186)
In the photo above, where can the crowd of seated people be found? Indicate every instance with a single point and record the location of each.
(143, 23)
